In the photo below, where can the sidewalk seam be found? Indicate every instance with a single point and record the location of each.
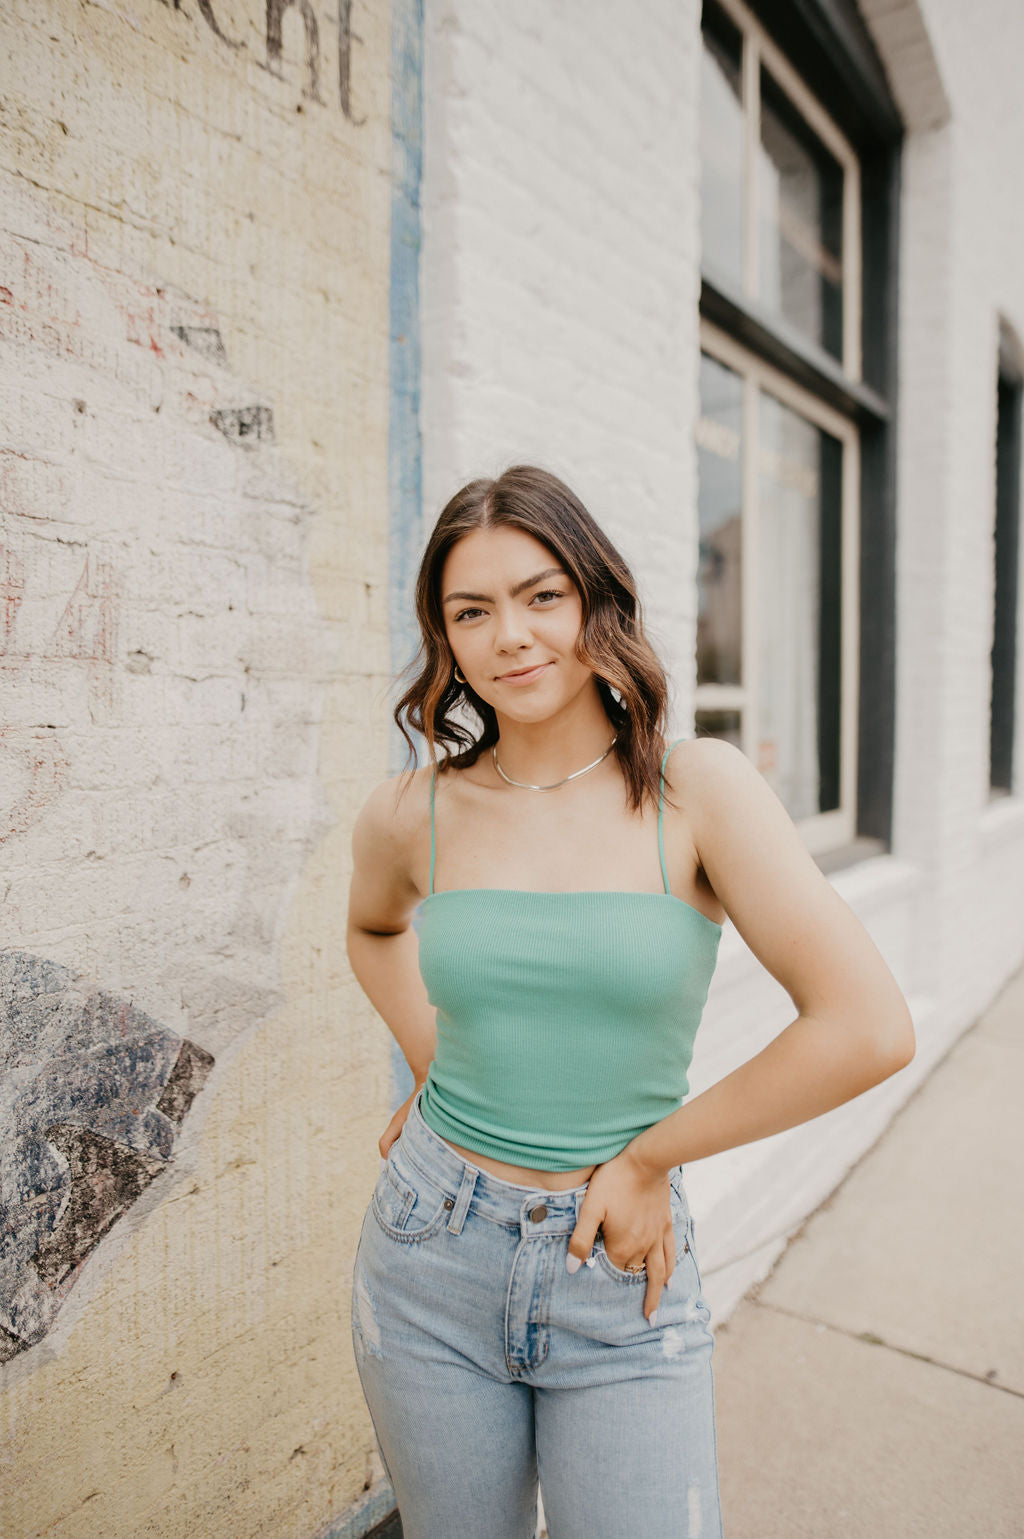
(868, 1338)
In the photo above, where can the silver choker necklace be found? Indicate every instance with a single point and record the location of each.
(523, 786)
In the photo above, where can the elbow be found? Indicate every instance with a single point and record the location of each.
(894, 1045)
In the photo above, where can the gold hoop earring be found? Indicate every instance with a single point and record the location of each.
(458, 676)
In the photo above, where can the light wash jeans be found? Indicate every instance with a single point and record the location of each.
(485, 1364)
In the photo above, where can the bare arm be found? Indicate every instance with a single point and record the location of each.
(382, 945)
(853, 1028)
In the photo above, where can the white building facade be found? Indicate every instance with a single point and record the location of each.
(749, 281)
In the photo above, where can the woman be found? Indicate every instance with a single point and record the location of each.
(526, 1293)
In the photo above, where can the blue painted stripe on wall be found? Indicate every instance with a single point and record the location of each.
(405, 481)
(405, 475)
(404, 472)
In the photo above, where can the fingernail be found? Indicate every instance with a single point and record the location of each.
(572, 1264)
(668, 1282)
(653, 1318)
(383, 1163)
(591, 1260)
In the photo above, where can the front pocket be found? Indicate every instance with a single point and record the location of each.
(605, 1262)
(681, 1226)
(406, 1212)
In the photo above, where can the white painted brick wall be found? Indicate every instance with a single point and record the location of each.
(560, 283)
(559, 272)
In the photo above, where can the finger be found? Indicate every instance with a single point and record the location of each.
(670, 1254)
(655, 1282)
(390, 1133)
(581, 1241)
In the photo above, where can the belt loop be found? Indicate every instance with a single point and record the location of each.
(463, 1200)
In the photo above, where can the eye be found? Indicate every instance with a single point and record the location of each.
(548, 594)
(466, 614)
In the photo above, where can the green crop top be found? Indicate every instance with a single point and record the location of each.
(565, 1020)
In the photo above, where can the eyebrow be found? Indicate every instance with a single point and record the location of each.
(520, 587)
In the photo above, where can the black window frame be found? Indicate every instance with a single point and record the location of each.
(1008, 450)
(829, 46)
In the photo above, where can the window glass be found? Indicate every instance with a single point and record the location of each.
(721, 144)
(800, 223)
(719, 724)
(720, 467)
(798, 609)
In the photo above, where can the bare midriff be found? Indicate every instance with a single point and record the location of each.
(518, 1175)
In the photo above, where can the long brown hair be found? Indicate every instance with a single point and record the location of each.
(630, 679)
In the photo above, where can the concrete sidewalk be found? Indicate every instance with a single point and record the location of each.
(873, 1386)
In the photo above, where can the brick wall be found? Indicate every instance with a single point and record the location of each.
(559, 273)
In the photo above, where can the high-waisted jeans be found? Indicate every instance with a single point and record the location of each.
(485, 1364)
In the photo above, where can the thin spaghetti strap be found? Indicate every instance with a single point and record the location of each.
(433, 850)
(661, 814)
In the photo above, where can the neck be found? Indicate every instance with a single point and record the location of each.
(545, 751)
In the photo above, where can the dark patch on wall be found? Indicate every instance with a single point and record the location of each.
(204, 339)
(187, 1078)
(10, 1346)
(245, 424)
(92, 1096)
(106, 1178)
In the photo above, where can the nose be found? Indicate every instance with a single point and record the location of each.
(513, 629)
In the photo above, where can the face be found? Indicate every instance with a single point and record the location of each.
(512, 617)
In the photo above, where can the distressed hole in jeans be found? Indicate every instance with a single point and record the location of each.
(366, 1316)
(695, 1521)
(672, 1344)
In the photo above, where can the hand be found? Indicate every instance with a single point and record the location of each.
(397, 1123)
(631, 1205)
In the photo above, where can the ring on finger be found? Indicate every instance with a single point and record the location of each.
(634, 1269)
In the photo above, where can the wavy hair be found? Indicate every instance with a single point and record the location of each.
(630, 678)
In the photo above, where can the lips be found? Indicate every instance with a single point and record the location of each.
(523, 675)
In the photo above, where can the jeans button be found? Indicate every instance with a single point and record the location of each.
(539, 1213)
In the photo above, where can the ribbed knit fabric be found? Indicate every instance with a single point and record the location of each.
(565, 1020)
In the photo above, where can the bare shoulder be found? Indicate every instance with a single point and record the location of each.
(389, 840)
(730, 811)
(703, 778)
(700, 756)
(395, 811)
(772, 889)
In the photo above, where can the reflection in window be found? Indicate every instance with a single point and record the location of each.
(799, 609)
(800, 215)
(721, 147)
(719, 455)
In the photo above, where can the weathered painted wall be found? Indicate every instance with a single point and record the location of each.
(194, 318)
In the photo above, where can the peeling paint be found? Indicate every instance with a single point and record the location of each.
(93, 1093)
(186, 1079)
(106, 1178)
